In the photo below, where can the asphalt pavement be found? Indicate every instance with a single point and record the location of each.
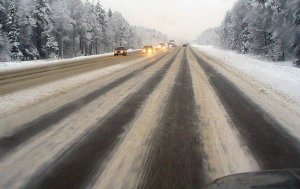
(171, 121)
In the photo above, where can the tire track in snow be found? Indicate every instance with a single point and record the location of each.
(226, 153)
(125, 167)
(74, 167)
(269, 142)
(175, 159)
(31, 129)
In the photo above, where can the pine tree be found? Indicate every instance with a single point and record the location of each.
(109, 13)
(76, 13)
(42, 32)
(294, 31)
(13, 33)
(88, 29)
(4, 47)
(110, 31)
(131, 38)
(63, 25)
(26, 24)
(122, 34)
(225, 32)
(245, 37)
(4, 14)
(101, 26)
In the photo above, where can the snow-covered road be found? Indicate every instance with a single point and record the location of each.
(173, 119)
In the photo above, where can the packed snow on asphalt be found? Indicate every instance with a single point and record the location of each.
(176, 118)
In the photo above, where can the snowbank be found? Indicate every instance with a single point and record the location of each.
(280, 76)
(19, 65)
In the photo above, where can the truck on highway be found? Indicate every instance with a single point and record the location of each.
(171, 43)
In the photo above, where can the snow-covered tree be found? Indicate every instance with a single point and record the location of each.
(13, 33)
(63, 25)
(4, 47)
(109, 14)
(110, 42)
(67, 28)
(4, 14)
(101, 29)
(269, 28)
(294, 31)
(76, 13)
(26, 24)
(43, 31)
(209, 37)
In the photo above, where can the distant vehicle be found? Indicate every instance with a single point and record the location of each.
(120, 51)
(148, 49)
(184, 45)
(162, 46)
(171, 43)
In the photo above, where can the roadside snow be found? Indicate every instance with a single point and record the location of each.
(19, 65)
(13, 102)
(279, 76)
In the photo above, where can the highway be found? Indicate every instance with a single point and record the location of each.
(174, 119)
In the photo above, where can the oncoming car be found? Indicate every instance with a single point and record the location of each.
(148, 49)
(162, 46)
(120, 51)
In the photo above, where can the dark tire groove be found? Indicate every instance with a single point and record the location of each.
(175, 158)
(272, 145)
(75, 167)
(31, 129)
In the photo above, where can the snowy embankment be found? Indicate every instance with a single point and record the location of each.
(19, 65)
(281, 77)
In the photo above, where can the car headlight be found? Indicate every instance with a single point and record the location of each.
(164, 47)
(144, 50)
(121, 51)
(115, 51)
(150, 51)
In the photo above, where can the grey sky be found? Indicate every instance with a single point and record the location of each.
(181, 20)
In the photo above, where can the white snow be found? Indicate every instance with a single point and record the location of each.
(18, 100)
(279, 76)
(19, 65)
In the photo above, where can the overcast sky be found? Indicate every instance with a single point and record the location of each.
(182, 20)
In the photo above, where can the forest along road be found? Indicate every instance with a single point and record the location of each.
(168, 120)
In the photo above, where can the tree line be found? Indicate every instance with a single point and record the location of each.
(269, 28)
(42, 29)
